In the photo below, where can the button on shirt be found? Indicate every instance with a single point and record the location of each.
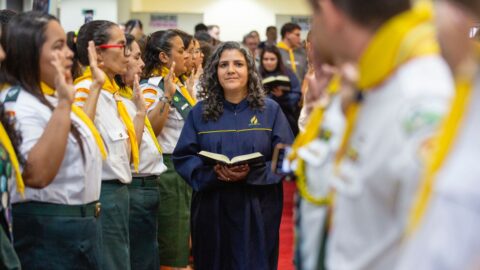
(78, 180)
(113, 131)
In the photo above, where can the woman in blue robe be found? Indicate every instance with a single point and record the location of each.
(236, 210)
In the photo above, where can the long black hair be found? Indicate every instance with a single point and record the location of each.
(26, 36)
(280, 69)
(212, 91)
(160, 41)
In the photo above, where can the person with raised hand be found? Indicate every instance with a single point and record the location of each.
(118, 130)
(144, 195)
(58, 213)
(168, 104)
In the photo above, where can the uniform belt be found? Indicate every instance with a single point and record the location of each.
(112, 182)
(144, 181)
(57, 210)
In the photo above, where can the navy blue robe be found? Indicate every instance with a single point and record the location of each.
(234, 225)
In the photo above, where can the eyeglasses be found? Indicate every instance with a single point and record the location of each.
(126, 49)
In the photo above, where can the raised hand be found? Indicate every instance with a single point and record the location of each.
(137, 95)
(63, 79)
(98, 76)
(318, 81)
(198, 72)
(170, 87)
(348, 92)
(190, 83)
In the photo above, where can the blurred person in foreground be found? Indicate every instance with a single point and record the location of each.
(401, 92)
(445, 216)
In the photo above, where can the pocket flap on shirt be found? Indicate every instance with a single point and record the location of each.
(117, 135)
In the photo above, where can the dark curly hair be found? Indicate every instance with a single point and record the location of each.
(212, 92)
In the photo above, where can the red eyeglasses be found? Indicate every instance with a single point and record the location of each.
(126, 50)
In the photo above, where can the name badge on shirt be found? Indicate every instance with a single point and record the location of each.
(181, 104)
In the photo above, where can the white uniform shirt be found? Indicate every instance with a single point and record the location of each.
(319, 156)
(78, 180)
(151, 161)
(114, 134)
(170, 133)
(448, 237)
(379, 177)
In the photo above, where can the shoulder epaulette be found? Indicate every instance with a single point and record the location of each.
(12, 94)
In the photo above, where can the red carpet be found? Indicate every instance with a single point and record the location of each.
(285, 260)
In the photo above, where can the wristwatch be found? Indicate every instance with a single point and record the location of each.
(166, 99)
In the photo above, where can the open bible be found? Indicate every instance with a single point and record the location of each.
(210, 158)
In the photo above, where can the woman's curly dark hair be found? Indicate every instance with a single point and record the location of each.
(212, 92)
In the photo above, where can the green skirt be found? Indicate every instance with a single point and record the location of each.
(114, 218)
(143, 223)
(54, 237)
(8, 258)
(173, 217)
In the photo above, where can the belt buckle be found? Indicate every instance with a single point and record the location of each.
(98, 209)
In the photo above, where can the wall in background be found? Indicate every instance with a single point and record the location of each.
(72, 18)
(235, 18)
(184, 21)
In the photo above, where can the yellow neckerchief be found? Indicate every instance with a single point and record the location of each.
(445, 140)
(47, 90)
(284, 46)
(404, 37)
(183, 90)
(5, 141)
(113, 88)
(127, 92)
(312, 131)
(183, 78)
